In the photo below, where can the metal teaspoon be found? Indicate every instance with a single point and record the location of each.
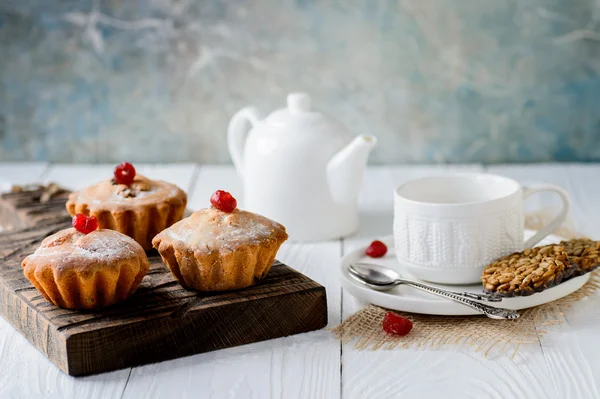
(382, 278)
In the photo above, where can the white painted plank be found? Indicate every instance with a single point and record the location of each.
(415, 373)
(26, 372)
(302, 366)
(571, 350)
(308, 365)
(20, 173)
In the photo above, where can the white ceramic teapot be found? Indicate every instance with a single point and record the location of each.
(300, 168)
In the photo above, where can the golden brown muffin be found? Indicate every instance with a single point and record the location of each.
(217, 251)
(140, 210)
(78, 271)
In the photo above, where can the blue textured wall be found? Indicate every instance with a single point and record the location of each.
(435, 80)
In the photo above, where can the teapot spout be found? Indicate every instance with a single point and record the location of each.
(345, 170)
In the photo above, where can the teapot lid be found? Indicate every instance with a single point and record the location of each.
(299, 113)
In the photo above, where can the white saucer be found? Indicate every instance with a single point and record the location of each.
(408, 299)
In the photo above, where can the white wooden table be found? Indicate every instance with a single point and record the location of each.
(565, 364)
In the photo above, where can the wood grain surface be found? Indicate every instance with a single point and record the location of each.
(161, 321)
(565, 363)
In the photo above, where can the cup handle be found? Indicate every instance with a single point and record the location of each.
(558, 220)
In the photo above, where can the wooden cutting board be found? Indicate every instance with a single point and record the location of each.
(160, 321)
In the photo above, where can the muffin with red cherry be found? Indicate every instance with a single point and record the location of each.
(85, 267)
(220, 248)
(131, 204)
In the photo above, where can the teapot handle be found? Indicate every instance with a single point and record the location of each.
(236, 135)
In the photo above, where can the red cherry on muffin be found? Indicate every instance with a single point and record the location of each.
(395, 324)
(223, 201)
(376, 250)
(85, 224)
(124, 173)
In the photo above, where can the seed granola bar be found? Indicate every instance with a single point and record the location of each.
(584, 252)
(525, 273)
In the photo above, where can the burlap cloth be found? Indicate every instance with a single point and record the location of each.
(479, 333)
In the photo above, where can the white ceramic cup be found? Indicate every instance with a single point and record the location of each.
(448, 228)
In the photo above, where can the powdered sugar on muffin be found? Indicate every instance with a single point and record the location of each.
(104, 245)
(75, 270)
(141, 191)
(214, 230)
(140, 209)
(220, 250)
